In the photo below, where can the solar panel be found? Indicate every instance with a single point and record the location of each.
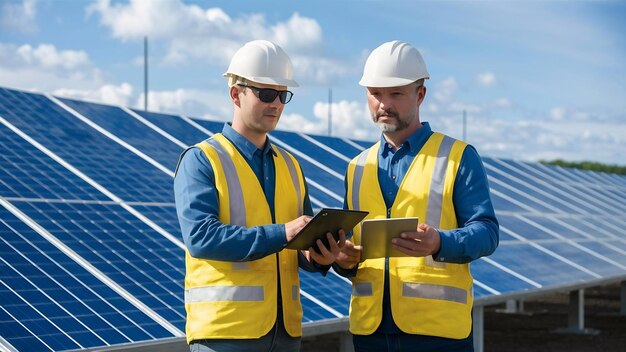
(91, 250)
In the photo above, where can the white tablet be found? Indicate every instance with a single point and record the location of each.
(376, 235)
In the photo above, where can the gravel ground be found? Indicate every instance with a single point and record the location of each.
(534, 330)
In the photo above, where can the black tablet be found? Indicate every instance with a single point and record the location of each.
(327, 220)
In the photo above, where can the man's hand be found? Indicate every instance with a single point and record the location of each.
(328, 255)
(350, 255)
(425, 241)
(294, 226)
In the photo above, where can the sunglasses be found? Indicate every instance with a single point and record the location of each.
(268, 95)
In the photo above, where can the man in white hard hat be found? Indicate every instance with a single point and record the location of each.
(422, 302)
(239, 200)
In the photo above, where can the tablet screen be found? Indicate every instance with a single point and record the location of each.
(327, 220)
(376, 235)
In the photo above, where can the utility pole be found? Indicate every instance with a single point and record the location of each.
(145, 73)
(330, 112)
(464, 125)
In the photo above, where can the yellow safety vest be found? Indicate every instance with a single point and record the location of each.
(427, 297)
(238, 300)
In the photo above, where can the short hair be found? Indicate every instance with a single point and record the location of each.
(420, 83)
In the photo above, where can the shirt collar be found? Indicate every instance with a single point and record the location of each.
(415, 142)
(244, 146)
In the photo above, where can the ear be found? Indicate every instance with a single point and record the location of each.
(234, 95)
(421, 94)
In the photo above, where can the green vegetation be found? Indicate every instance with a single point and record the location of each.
(588, 165)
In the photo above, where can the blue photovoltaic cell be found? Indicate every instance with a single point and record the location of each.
(313, 312)
(331, 289)
(501, 203)
(122, 172)
(140, 260)
(45, 302)
(614, 250)
(307, 148)
(131, 131)
(550, 225)
(496, 278)
(162, 215)
(176, 126)
(339, 145)
(480, 292)
(520, 227)
(551, 192)
(570, 189)
(587, 258)
(536, 265)
(365, 144)
(26, 172)
(212, 126)
(510, 189)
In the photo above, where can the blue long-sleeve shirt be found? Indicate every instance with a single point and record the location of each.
(197, 206)
(477, 234)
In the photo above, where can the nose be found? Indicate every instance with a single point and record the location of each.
(276, 102)
(384, 102)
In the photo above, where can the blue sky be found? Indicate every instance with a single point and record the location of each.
(538, 79)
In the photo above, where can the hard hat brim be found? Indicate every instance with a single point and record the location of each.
(268, 80)
(384, 82)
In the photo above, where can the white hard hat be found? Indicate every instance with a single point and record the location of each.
(264, 62)
(393, 64)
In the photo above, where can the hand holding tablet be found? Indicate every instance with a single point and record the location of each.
(327, 220)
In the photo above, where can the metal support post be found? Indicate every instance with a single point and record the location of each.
(345, 342)
(622, 295)
(576, 315)
(478, 328)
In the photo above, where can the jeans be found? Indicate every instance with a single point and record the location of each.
(277, 340)
(380, 342)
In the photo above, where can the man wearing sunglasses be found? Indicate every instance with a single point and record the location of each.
(239, 200)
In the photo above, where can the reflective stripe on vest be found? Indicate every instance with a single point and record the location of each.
(294, 175)
(358, 176)
(224, 293)
(446, 293)
(237, 205)
(433, 212)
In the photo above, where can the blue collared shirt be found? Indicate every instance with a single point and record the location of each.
(477, 234)
(197, 206)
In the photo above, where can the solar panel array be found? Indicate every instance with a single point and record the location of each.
(91, 253)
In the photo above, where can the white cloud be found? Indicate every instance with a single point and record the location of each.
(560, 113)
(46, 68)
(557, 113)
(47, 55)
(195, 103)
(299, 34)
(350, 119)
(107, 94)
(501, 136)
(486, 79)
(502, 103)
(444, 91)
(19, 16)
(211, 35)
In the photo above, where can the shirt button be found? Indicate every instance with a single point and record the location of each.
(393, 177)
